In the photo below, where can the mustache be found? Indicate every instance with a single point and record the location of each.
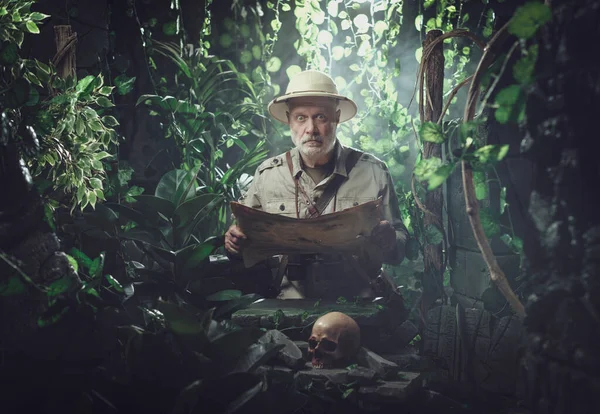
(309, 139)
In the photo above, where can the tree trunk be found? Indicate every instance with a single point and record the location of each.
(433, 259)
(562, 363)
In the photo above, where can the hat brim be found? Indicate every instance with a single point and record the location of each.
(278, 107)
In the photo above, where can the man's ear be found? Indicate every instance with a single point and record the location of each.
(337, 116)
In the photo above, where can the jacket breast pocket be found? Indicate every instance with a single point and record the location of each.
(283, 207)
(349, 202)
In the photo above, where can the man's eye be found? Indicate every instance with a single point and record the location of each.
(321, 117)
(300, 118)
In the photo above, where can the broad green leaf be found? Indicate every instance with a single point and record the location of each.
(412, 249)
(233, 344)
(97, 266)
(32, 27)
(439, 176)
(324, 37)
(187, 211)
(224, 295)
(124, 84)
(9, 54)
(427, 167)
(84, 86)
(433, 234)
(174, 184)
(110, 121)
(274, 64)
(60, 286)
(481, 185)
(13, 286)
(510, 104)
(114, 283)
(515, 243)
(528, 19)
(293, 70)
(96, 183)
(523, 68)
(151, 205)
(170, 28)
(432, 132)
(200, 253)
(179, 320)
(489, 222)
(104, 102)
(490, 154)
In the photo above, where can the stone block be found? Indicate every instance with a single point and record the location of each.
(303, 312)
(308, 375)
(392, 391)
(470, 276)
(363, 376)
(290, 355)
(276, 373)
(369, 359)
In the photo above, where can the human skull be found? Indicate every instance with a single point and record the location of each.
(334, 340)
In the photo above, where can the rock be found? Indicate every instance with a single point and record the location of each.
(392, 391)
(369, 359)
(303, 345)
(363, 376)
(290, 355)
(285, 313)
(404, 333)
(276, 373)
(306, 376)
(408, 360)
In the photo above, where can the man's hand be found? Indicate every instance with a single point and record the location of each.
(384, 236)
(234, 240)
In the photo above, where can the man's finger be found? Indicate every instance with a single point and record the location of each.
(237, 232)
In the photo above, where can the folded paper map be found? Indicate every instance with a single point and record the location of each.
(272, 234)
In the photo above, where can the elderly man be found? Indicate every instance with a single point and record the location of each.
(320, 176)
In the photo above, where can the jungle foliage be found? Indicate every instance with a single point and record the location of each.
(140, 252)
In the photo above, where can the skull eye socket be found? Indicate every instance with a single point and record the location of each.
(328, 346)
(312, 343)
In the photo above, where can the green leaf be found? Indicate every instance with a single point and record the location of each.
(179, 320)
(433, 234)
(85, 86)
(13, 286)
(439, 176)
(173, 184)
(510, 104)
(224, 295)
(490, 154)
(528, 19)
(124, 84)
(489, 222)
(110, 121)
(104, 102)
(32, 27)
(97, 266)
(187, 211)
(199, 253)
(60, 286)
(523, 68)
(516, 244)
(170, 28)
(233, 344)
(96, 183)
(9, 54)
(151, 205)
(114, 283)
(274, 64)
(432, 132)
(481, 186)
(73, 262)
(427, 167)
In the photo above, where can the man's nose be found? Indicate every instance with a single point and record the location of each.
(310, 126)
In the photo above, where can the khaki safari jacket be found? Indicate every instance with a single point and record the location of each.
(273, 190)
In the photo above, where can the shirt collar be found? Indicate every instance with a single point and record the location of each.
(339, 155)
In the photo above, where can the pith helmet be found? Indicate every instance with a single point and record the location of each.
(311, 83)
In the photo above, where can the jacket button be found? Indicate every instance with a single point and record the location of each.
(282, 207)
(355, 203)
